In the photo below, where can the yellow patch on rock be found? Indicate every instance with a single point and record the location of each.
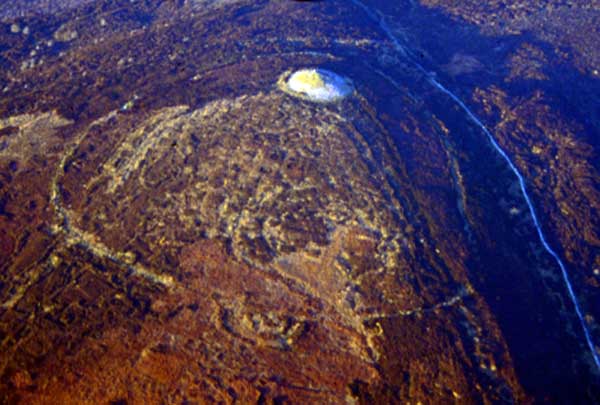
(309, 78)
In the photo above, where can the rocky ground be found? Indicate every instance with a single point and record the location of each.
(175, 228)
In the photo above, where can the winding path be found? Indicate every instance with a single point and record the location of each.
(376, 16)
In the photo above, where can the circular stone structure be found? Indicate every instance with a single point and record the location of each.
(317, 85)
